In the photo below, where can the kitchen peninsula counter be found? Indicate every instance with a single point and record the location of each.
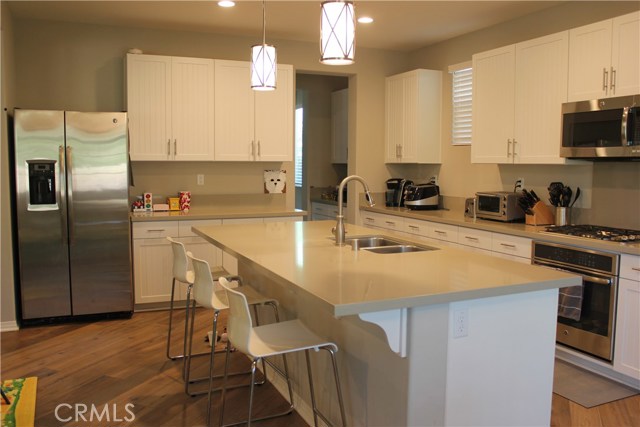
(402, 358)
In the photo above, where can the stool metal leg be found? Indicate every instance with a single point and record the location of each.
(313, 394)
(169, 356)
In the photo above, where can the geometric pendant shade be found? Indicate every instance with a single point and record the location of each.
(337, 32)
(263, 61)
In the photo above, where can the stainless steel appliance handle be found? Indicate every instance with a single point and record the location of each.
(605, 77)
(259, 152)
(175, 147)
(63, 194)
(623, 126)
(69, 167)
(585, 277)
(597, 280)
(169, 147)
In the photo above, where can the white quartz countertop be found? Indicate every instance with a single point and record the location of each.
(352, 282)
(217, 212)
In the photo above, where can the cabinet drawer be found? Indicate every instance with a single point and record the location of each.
(370, 219)
(185, 226)
(155, 229)
(444, 232)
(417, 227)
(475, 238)
(511, 245)
(630, 267)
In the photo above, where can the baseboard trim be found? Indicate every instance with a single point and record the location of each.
(9, 326)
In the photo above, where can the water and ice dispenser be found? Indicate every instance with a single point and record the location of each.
(42, 184)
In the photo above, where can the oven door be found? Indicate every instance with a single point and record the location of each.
(590, 328)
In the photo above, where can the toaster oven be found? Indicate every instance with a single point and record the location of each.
(499, 206)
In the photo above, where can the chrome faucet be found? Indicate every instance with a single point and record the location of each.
(339, 230)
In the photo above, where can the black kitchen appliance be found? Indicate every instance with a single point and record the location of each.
(422, 197)
(396, 188)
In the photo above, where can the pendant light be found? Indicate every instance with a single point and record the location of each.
(263, 61)
(337, 32)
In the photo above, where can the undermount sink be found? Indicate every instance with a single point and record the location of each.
(385, 245)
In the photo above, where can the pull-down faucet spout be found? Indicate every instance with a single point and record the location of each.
(339, 230)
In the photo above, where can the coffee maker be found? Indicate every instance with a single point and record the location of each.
(394, 196)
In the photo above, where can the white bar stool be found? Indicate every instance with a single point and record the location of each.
(274, 339)
(205, 295)
(182, 273)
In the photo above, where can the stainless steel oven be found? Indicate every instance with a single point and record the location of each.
(586, 313)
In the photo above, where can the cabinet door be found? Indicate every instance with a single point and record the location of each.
(541, 88)
(153, 270)
(149, 106)
(234, 107)
(625, 55)
(394, 112)
(273, 118)
(192, 109)
(339, 126)
(626, 355)
(493, 106)
(589, 61)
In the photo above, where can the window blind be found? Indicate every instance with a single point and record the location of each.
(298, 147)
(461, 102)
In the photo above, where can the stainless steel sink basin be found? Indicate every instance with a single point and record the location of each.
(385, 245)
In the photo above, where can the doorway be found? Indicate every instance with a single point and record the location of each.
(314, 169)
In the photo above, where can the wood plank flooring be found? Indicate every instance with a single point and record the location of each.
(117, 362)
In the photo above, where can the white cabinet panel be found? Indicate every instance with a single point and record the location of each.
(413, 106)
(475, 238)
(512, 245)
(252, 125)
(630, 267)
(445, 232)
(626, 355)
(517, 101)
(604, 58)
(170, 106)
(153, 270)
(155, 229)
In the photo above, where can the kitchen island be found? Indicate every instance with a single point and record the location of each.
(439, 337)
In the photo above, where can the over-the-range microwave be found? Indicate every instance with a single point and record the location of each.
(606, 129)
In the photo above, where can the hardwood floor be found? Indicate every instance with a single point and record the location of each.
(118, 362)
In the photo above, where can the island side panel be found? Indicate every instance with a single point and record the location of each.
(374, 379)
(501, 373)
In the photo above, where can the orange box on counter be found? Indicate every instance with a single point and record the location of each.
(174, 203)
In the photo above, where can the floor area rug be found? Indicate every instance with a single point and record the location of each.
(586, 388)
(20, 410)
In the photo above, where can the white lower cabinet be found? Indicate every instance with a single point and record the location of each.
(474, 238)
(323, 211)
(444, 233)
(153, 257)
(511, 247)
(626, 354)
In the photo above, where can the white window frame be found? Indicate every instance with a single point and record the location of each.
(461, 103)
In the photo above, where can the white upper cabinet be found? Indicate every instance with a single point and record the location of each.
(339, 126)
(518, 91)
(170, 106)
(604, 59)
(252, 125)
(413, 109)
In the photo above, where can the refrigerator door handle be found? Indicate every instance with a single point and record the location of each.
(69, 167)
(62, 192)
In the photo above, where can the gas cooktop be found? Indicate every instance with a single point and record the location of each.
(597, 232)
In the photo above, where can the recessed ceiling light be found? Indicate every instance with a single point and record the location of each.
(365, 20)
(226, 3)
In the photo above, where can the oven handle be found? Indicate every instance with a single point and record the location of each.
(592, 279)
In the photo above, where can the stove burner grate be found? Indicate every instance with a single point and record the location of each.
(597, 232)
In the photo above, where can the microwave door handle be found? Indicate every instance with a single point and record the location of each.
(623, 126)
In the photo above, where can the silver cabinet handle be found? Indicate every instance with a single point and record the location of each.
(514, 147)
(253, 148)
(473, 239)
(635, 269)
(613, 81)
(506, 245)
(442, 233)
(414, 227)
(175, 147)
(605, 77)
(259, 151)
(390, 223)
(368, 218)
(155, 230)
(509, 147)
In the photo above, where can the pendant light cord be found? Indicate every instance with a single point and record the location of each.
(264, 21)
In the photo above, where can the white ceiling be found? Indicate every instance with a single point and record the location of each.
(399, 25)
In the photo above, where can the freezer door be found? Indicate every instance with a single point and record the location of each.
(97, 176)
(41, 214)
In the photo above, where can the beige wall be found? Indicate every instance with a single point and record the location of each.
(460, 178)
(7, 305)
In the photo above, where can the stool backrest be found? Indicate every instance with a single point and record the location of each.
(239, 325)
(180, 262)
(204, 291)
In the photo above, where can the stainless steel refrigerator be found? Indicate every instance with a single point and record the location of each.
(71, 212)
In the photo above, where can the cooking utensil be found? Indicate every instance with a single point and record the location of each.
(555, 193)
(576, 198)
(566, 197)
